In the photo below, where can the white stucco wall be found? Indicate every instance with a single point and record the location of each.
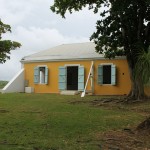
(16, 84)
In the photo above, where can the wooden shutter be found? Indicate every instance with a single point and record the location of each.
(113, 74)
(81, 78)
(100, 74)
(36, 75)
(62, 78)
(46, 75)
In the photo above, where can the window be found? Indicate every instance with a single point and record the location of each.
(41, 75)
(107, 74)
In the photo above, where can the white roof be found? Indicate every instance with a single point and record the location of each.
(76, 51)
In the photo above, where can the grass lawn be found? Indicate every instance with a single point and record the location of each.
(56, 122)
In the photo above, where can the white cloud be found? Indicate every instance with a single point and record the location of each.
(33, 40)
(37, 28)
(13, 12)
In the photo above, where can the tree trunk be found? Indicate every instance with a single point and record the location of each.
(137, 86)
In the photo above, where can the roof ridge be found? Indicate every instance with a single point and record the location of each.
(63, 46)
(76, 43)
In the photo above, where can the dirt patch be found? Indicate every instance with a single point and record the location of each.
(3, 111)
(124, 140)
(107, 101)
(116, 102)
(36, 112)
(144, 127)
(127, 139)
(99, 102)
(78, 102)
(119, 140)
(102, 101)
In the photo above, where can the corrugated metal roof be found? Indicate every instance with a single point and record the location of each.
(74, 51)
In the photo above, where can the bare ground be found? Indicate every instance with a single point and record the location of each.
(126, 139)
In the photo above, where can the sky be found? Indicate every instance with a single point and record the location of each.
(37, 28)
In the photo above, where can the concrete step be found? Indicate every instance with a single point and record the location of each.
(88, 91)
(69, 92)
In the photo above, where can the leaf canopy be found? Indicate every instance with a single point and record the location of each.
(6, 45)
(124, 28)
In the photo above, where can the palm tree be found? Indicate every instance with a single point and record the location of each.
(142, 68)
(141, 75)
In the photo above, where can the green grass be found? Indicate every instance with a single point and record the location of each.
(2, 84)
(50, 122)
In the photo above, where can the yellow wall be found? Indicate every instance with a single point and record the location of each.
(122, 79)
(121, 88)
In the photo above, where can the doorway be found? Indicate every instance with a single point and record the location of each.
(72, 78)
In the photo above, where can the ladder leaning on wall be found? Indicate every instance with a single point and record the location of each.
(90, 77)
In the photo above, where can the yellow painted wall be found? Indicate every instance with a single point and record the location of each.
(122, 79)
(121, 88)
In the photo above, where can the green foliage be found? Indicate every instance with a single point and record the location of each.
(2, 84)
(142, 67)
(48, 121)
(6, 45)
(124, 24)
(61, 6)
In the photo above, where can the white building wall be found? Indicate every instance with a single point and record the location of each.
(16, 84)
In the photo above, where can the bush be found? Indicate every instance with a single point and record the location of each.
(2, 84)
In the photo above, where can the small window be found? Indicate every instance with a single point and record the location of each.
(41, 75)
(107, 74)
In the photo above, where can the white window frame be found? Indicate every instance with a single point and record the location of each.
(71, 65)
(42, 66)
(105, 64)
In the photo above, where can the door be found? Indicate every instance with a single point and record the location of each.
(72, 78)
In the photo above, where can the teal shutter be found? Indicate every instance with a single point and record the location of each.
(100, 74)
(46, 75)
(113, 74)
(62, 78)
(80, 78)
(36, 75)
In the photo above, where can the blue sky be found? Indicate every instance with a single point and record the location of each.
(37, 28)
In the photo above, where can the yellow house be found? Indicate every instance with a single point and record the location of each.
(75, 68)
(66, 68)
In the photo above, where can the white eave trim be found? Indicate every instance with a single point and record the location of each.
(71, 59)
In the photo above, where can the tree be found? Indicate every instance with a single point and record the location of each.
(123, 29)
(142, 66)
(6, 45)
